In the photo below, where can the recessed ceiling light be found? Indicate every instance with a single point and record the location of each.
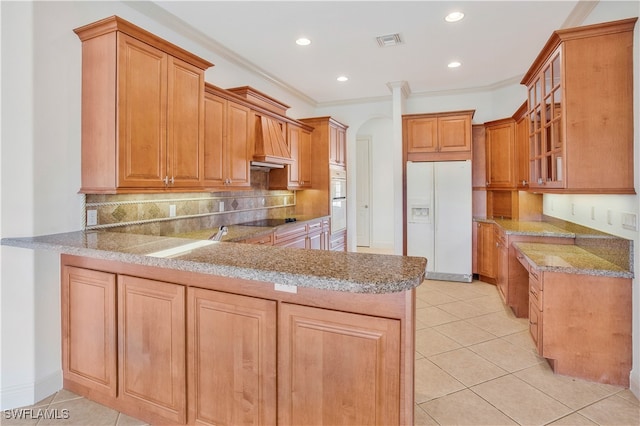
(342, 78)
(302, 41)
(454, 64)
(454, 17)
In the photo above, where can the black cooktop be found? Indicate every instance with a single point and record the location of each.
(269, 222)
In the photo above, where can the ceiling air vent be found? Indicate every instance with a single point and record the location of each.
(389, 40)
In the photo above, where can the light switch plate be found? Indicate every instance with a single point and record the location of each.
(630, 221)
(172, 210)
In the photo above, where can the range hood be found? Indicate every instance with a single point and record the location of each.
(271, 150)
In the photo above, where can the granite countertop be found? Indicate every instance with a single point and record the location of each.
(321, 269)
(569, 259)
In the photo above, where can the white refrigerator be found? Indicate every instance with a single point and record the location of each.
(439, 217)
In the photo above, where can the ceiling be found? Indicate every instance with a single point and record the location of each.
(496, 42)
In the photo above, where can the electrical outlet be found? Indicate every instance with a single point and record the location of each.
(573, 209)
(92, 217)
(221, 206)
(172, 210)
(630, 221)
(609, 217)
(593, 213)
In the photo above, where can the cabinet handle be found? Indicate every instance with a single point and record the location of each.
(533, 322)
(168, 181)
(487, 183)
(524, 182)
(540, 181)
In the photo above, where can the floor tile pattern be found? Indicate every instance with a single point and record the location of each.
(475, 365)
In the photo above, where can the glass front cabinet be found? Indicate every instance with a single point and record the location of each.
(580, 111)
(545, 130)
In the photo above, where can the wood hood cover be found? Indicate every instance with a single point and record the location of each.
(270, 144)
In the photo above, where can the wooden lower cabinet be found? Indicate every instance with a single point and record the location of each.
(89, 347)
(232, 359)
(151, 343)
(337, 368)
(486, 252)
(582, 324)
(177, 353)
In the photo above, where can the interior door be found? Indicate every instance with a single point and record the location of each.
(363, 192)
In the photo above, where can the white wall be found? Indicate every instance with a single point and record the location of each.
(40, 174)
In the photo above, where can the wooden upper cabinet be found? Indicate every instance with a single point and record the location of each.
(142, 110)
(500, 154)
(440, 136)
(580, 111)
(329, 140)
(337, 145)
(227, 141)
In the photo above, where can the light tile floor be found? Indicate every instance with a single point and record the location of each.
(475, 365)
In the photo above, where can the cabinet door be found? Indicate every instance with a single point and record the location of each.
(453, 133)
(341, 158)
(232, 359)
(334, 157)
(500, 147)
(300, 146)
(422, 134)
(142, 106)
(151, 346)
(185, 123)
(337, 368)
(89, 348)
(238, 145)
(214, 138)
(486, 247)
(546, 132)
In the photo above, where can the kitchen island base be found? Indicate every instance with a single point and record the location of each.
(180, 347)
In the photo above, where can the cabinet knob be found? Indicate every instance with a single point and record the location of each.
(487, 183)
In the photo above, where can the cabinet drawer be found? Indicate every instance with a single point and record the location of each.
(284, 233)
(522, 260)
(314, 226)
(535, 289)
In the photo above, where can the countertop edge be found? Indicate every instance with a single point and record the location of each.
(268, 276)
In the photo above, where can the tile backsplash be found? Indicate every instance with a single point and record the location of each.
(152, 213)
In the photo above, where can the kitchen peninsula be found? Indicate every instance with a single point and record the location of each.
(177, 330)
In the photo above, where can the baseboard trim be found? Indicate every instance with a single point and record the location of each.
(29, 393)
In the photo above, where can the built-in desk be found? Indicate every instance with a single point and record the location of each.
(580, 311)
